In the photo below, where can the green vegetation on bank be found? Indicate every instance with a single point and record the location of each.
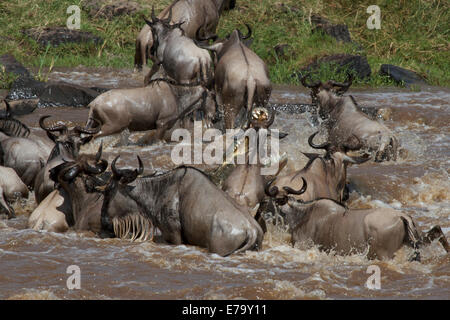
(414, 34)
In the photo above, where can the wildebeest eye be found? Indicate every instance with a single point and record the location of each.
(281, 201)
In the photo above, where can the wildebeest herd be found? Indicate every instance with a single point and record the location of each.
(225, 85)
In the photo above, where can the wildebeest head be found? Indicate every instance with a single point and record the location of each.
(85, 164)
(330, 169)
(161, 27)
(274, 193)
(68, 141)
(336, 159)
(323, 94)
(220, 46)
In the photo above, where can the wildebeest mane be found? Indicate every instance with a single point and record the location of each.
(14, 128)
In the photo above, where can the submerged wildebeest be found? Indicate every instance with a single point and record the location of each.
(57, 212)
(345, 120)
(332, 226)
(138, 109)
(326, 175)
(195, 15)
(75, 203)
(24, 152)
(180, 58)
(241, 77)
(245, 183)
(67, 147)
(171, 201)
(11, 188)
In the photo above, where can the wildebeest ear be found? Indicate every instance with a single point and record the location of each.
(54, 172)
(65, 171)
(70, 173)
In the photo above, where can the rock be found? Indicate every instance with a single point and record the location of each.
(11, 65)
(19, 107)
(31, 93)
(62, 94)
(60, 35)
(343, 62)
(399, 74)
(51, 94)
(338, 31)
(25, 88)
(111, 8)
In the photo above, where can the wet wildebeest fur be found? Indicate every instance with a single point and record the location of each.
(326, 175)
(178, 55)
(70, 205)
(11, 188)
(187, 207)
(345, 120)
(332, 226)
(241, 77)
(245, 183)
(67, 147)
(24, 152)
(152, 107)
(195, 15)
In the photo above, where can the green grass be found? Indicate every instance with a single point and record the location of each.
(414, 34)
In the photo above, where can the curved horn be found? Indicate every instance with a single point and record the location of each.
(343, 87)
(8, 109)
(99, 152)
(311, 86)
(94, 130)
(141, 166)
(301, 191)
(61, 128)
(114, 170)
(325, 145)
(154, 18)
(214, 37)
(98, 168)
(249, 33)
(357, 160)
(271, 191)
(169, 18)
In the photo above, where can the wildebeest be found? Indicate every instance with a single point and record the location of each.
(181, 59)
(196, 15)
(332, 226)
(241, 77)
(152, 107)
(171, 201)
(11, 188)
(71, 205)
(67, 147)
(346, 120)
(24, 152)
(245, 183)
(326, 175)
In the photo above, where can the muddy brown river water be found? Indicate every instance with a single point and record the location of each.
(34, 264)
